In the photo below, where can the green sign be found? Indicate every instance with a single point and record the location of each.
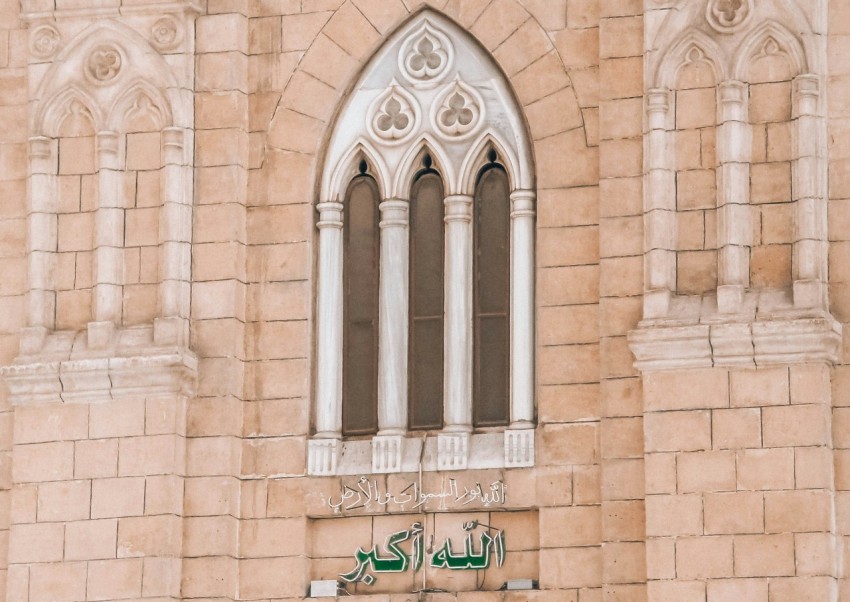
(396, 560)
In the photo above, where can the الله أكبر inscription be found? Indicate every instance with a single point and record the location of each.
(395, 559)
(366, 494)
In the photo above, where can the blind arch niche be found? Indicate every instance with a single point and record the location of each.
(430, 90)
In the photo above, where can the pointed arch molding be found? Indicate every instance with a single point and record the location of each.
(430, 88)
(465, 81)
(107, 66)
(735, 324)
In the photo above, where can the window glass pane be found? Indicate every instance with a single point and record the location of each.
(492, 299)
(425, 371)
(361, 260)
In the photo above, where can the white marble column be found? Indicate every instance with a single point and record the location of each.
(810, 254)
(109, 241)
(329, 331)
(393, 336)
(734, 222)
(522, 309)
(659, 208)
(457, 413)
(519, 437)
(453, 441)
(175, 236)
(42, 228)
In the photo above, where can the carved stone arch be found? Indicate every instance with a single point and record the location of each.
(755, 41)
(408, 167)
(477, 158)
(336, 181)
(52, 112)
(135, 92)
(283, 136)
(680, 52)
(105, 60)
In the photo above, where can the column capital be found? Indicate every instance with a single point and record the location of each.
(458, 208)
(42, 155)
(522, 203)
(733, 100)
(806, 95)
(394, 213)
(173, 140)
(330, 214)
(657, 100)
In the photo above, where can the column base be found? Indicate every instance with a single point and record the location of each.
(452, 451)
(730, 297)
(387, 453)
(100, 334)
(519, 448)
(322, 456)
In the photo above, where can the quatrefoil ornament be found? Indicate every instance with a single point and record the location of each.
(425, 55)
(393, 116)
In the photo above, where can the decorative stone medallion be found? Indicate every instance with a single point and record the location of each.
(425, 55)
(727, 16)
(393, 116)
(166, 33)
(44, 41)
(103, 64)
(458, 110)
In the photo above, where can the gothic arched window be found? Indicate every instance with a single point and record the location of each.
(425, 271)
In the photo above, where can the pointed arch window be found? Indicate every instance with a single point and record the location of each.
(425, 269)
(425, 333)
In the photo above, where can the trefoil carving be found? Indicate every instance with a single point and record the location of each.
(458, 110)
(104, 64)
(726, 16)
(394, 115)
(426, 54)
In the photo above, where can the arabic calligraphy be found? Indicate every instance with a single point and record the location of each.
(397, 560)
(367, 494)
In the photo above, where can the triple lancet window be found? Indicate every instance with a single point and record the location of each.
(425, 328)
(425, 273)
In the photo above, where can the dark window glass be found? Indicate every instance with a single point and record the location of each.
(492, 298)
(360, 274)
(425, 363)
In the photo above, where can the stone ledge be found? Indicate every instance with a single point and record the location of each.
(779, 339)
(37, 10)
(65, 370)
(510, 448)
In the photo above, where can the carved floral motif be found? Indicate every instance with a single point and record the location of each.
(165, 33)
(104, 63)
(727, 16)
(45, 41)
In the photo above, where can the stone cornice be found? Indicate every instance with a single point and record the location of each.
(789, 339)
(65, 370)
(33, 12)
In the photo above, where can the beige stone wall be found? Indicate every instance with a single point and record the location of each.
(706, 482)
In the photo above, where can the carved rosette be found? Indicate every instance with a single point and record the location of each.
(393, 116)
(425, 55)
(44, 41)
(103, 64)
(166, 33)
(458, 110)
(727, 16)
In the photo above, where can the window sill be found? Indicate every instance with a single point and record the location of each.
(512, 448)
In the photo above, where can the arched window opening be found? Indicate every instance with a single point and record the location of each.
(491, 268)
(425, 347)
(360, 273)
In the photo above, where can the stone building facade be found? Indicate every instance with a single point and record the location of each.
(662, 415)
